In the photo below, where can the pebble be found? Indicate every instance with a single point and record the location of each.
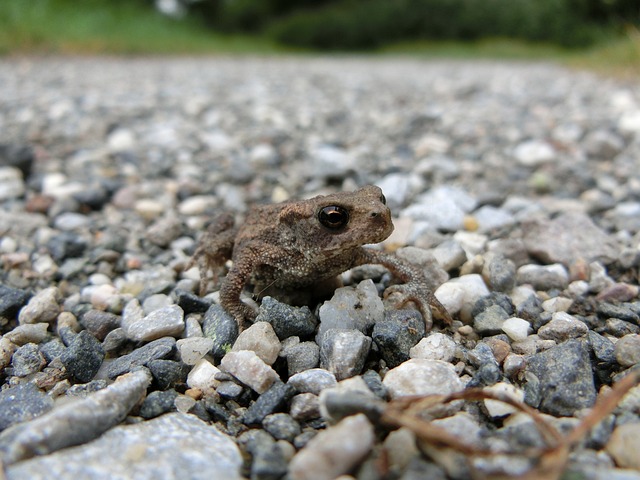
(567, 238)
(397, 333)
(287, 321)
(22, 403)
(193, 349)
(99, 323)
(334, 451)
(11, 301)
(166, 321)
(174, 442)
(261, 339)
(498, 409)
(281, 426)
(627, 350)
(167, 373)
(271, 400)
(437, 346)
(28, 333)
(459, 295)
(301, 357)
(623, 445)
(516, 328)
(305, 407)
(563, 390)
(203, 377)
(220, 327)
(544, 277)
(83, 357)
(563, 327)
(350, 308)
(312, 381)
(343, 352)
(27, 360)
(532, 153)
(74, 423)
(158, 403)
(250, 369)
(157, 349)
(11, 183)
(42, 307)
(7, 348)
(449, 255)
(422, 377)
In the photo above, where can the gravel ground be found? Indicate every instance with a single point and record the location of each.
(515, 186)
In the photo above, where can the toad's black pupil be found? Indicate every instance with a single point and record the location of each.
(333, 217)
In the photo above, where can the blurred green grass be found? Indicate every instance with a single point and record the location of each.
(99, 27)
(129, 27)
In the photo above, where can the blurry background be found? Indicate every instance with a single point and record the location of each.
(595, 33)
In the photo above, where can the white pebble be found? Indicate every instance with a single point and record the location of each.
(516, 328)
(247, 367)
(202, 376)
(436, 346)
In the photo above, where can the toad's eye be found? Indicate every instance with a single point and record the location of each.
(383, 199)
(333, 217)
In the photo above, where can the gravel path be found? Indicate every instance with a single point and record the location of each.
(516, 186)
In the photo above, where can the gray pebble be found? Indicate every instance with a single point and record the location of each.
(563, 390)
(99, 323)
(83, 357)
(287, 321)
(21, 403)
(343, 352)
(74, 423)
(397, 333)
(158, 403)
(627, 350)
(544, 277)
(301, 356)
(166, 321)
(28, 333)
(27, 360)
(221, 327)
(281, 426)
(312, 381)
(173, 443)
(157, 349)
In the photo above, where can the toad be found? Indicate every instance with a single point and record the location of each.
(304, 245)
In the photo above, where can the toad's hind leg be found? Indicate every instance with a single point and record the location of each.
(415, 287)
(214, 249)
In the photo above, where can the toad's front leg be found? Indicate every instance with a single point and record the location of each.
(231, 289)
(414, 288)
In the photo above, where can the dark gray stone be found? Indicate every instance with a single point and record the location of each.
(622, 311)
(168, 374)
(374, 382)
(11, 301)
(161, 348)
(18, 156)
(191, 303)
(302, 356)
(221, 327)
(99, 323)
(490, 320)
(502, 275)
(397, 334)
(269, 402)
(602, 347)
(52, 349)
(281, 426)
(566, 378)
(83, 357)
(158, 403)
(114, 340)
(21, 403)
(287, 321)
(66, 245)
(269, 463)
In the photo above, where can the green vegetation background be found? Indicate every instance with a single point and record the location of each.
(601, 34)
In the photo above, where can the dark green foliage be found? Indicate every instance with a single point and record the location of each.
(363, 24)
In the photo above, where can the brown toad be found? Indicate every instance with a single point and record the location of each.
(305, 245)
